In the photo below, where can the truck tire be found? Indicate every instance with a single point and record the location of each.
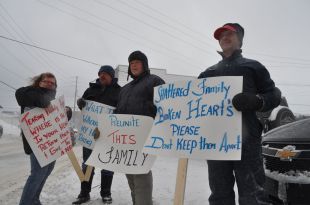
(284, 116)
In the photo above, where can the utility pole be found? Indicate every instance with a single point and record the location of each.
(75, 93)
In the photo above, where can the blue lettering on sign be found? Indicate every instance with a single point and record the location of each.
(181, 130)
(91, 107)
(226, 147)
(204, 89)
(197, 109)
(171, 115)
(203, 144)
(84, 139)
(158, 142)
(84, 129)
(88, 120)
(171, 91)
(132, 122)
(188, 145)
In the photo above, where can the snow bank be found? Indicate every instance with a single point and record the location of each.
(9, 129)
(299, 177)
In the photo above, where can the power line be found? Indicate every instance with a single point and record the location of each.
(17, 59)
(7, 85)
(164, 23)
(120, 34)
(172, 19)
(275, 56)
(24, 48)
(156, 28)
(48, 50)
(10, 71)
(127, 30)
(45, 59)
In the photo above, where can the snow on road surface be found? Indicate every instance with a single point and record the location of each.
(63, 186)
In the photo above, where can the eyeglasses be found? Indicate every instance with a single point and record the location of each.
(48, 82)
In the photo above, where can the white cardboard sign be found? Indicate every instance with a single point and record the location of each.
(89, 121)
(196, 119)
(47, 131)
(119, 147)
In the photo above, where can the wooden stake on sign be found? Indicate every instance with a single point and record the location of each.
(180, 182)
(89, 169)
(76, 165)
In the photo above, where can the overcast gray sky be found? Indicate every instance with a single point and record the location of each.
(175, 35)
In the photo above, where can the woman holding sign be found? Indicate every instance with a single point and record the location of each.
(136, 98)
(39, 94)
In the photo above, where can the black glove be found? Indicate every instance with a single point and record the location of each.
(68, 112)
(81, 103)
(247, 102)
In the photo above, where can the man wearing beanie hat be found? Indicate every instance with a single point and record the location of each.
(105, 90)
(259, 94)
(136, 98)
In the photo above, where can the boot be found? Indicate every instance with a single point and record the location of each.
(107, 199)
(82, 199)
(106, 183)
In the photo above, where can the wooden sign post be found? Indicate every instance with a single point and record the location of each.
(76, 165)
(180, 182)
(89, 169)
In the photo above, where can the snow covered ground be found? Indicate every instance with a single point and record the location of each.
(62, 187)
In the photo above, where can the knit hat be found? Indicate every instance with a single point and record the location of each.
(235, 27)
(138, 55)
(107, 69)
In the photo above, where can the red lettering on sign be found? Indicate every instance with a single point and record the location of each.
(122, 138)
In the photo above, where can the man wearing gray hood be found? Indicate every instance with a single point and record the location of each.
(136, 98)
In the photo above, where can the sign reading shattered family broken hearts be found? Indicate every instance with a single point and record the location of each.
(196, 119)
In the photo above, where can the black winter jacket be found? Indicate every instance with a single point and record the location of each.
(256, 80)
(103, 94)
(32, 97)
(136, 97)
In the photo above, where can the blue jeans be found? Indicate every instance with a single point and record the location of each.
(35, 182)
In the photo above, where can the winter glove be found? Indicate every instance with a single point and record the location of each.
(81, 103)
(68, 112)
(247, 102)
(96, 133)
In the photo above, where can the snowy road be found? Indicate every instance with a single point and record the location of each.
(63, 186)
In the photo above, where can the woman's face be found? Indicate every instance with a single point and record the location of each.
(48, 83)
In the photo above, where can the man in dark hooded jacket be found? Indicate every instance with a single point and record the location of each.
(105, 90)
(259, 94)
(136, 98)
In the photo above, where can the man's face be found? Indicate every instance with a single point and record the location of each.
(136, 67)
(229, 41)
(105, 79)
(48, 83)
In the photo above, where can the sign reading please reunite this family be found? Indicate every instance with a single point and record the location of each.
(47, 131)
(120, 145)
(89, 121)
(196, 119)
